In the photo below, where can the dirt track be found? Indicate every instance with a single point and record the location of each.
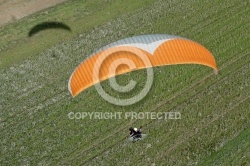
(11, 10)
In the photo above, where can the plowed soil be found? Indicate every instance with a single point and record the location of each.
(11, 10)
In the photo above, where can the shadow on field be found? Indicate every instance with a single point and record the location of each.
(48, 25)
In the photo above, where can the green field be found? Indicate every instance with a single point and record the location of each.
(214, 128)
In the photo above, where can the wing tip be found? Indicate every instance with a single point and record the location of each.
(216, 71)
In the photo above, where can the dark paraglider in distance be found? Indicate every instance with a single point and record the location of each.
(48, 25)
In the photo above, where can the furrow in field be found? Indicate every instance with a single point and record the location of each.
(173, 108)
(212, 84)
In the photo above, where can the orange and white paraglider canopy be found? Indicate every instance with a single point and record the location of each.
(159, 49)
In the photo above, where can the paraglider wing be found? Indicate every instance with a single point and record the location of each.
(48, 25)
(160, 50)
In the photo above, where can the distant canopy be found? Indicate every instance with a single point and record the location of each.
(159, 49)
(48, 25)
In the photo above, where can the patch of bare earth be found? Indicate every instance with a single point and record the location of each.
(11, 10)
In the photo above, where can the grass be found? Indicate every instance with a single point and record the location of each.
(15, 43)
(35, 102)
